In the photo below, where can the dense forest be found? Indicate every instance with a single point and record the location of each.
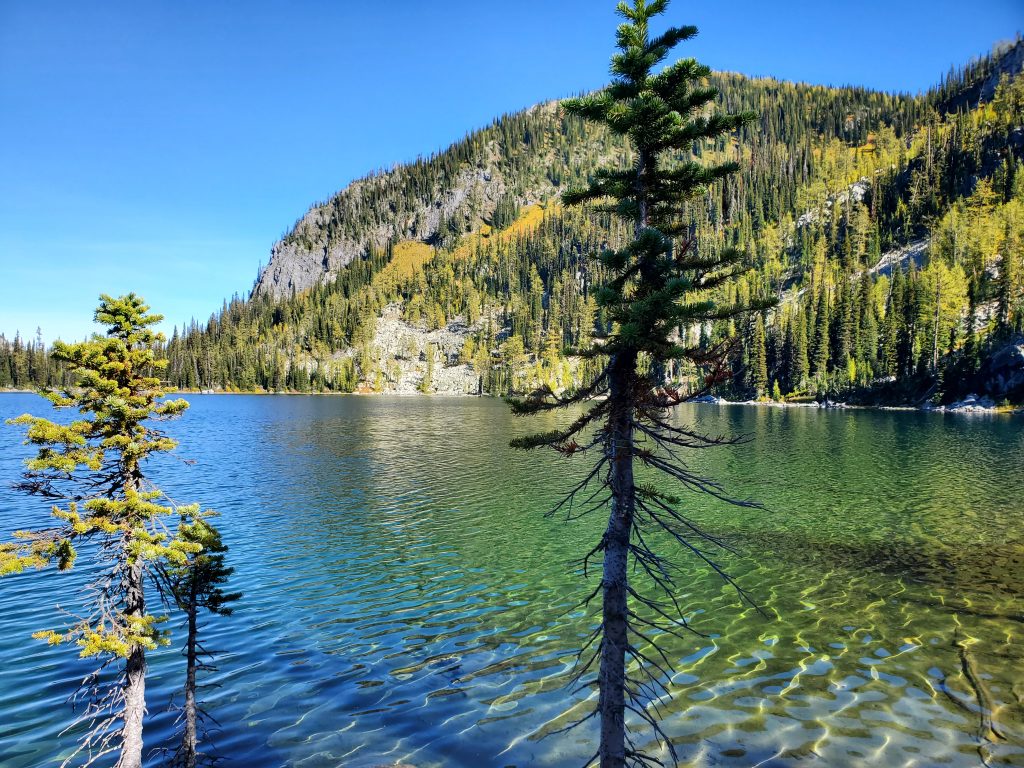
(890, 227)
(26, 363)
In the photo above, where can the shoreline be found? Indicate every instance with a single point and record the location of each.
(816, 405)
(837, 406)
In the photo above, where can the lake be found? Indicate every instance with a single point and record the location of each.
(407, 600)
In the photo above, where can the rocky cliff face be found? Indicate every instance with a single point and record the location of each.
(1007, 59)
(456, 191)
(1010, 63)
(313, 251)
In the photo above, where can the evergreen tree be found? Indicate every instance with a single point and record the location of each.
(1006, 299)
(197, 585)
(908, 325)
(892, 324)
(843, 324)
(759, 359)
(972, 346)
(505, 212)
(799, 363)
(819, 356)
(426, 384)
(95, 464)
(659, 281)
(866, 346)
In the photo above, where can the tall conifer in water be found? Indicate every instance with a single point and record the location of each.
(658, 283)
(92, 468)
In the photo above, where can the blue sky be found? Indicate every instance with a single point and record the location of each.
(162, 147)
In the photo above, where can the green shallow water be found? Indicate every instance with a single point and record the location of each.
(407, 600)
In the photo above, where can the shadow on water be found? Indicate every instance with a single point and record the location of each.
(994, 577)
(406, 600)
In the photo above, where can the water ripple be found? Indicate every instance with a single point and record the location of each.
(406, 600)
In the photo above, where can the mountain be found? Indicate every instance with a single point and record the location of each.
(975, 83)
(890, 226)
(528, 157)
(429, 200)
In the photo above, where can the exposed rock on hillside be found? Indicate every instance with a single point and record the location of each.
(414, 359)
(902, 257)
(1007, 59)
(314, 250)
(430, 200)
(857, 191)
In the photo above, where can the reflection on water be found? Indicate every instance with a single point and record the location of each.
(407, 600)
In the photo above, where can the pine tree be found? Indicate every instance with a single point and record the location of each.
(426, 384)
(819, 356)
(660, 281)
(799, 368)
(908, 324)
(1007, 286)
(759, 359)
(842, 326)
(892, 324)
(972, 346)
(197, 585)
(867, 332)
(95, 465)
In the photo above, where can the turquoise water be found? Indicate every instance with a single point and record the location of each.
(406, 599)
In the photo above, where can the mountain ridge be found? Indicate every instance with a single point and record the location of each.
(316, 248)
(320, 243)
(833, 180)
(373, 288)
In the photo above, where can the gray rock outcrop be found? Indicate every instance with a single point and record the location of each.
(1004, 372)
(415, 201)
(317, 248)
(407, 355)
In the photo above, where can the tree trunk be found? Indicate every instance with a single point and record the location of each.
(615, 596)
(935, 335)
(615, 580)
(135, 675)
(187, 754)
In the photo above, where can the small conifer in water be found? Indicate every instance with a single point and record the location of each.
(92, 469)
(197, 585)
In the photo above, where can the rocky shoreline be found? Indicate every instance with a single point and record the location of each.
(970, 404)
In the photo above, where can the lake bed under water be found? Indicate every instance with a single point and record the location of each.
(407, 600)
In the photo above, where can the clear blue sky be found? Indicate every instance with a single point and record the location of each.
(162, 147)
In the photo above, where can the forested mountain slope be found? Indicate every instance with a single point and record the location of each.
(832, 180)
(530, 156)
(890, 226)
